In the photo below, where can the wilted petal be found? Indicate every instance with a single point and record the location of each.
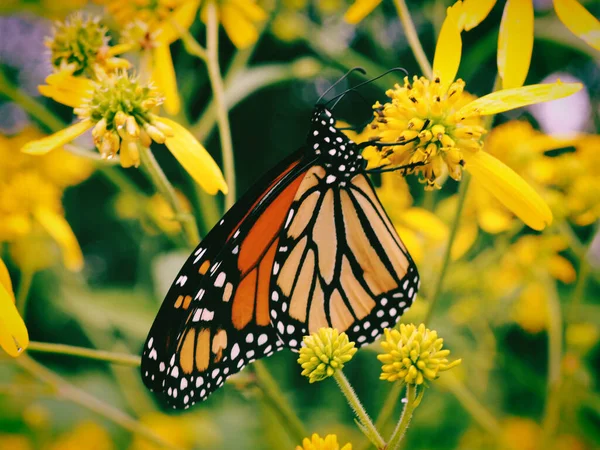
(194, 158)
(449, 47)
(13, 333)
(58, 139)
(163, 74)
(60, 230)
(474, 11)
(515, 42)
(359, 10)
(183, 16)
(579, 20)
(509, 188)
(508, 99)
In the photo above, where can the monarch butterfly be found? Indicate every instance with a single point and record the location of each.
(309, 246)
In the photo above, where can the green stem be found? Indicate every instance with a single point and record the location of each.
(462, 195)
(278, 402)
(409, 407)
(413, 38)
(552, 408)
(72, 393)
(214, 73)
(367, 425)
(387, 410)
(30, 105)
(25, 283)
(469, 402)
(88, 353)
(161, 182)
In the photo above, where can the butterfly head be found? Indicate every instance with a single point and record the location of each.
(340, 155)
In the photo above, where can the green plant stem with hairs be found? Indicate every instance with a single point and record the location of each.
(364, 421)
(86, 353)
(405, 418)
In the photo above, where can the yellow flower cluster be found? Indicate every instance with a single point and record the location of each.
(422, 118)
(324, 352)
(316, 442)
(413, 355)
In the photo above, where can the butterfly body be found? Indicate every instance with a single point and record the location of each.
(309, 246)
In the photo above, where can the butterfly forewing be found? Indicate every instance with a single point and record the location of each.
(228, 324)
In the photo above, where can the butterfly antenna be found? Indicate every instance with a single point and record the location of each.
(339, 97)
(346, 75)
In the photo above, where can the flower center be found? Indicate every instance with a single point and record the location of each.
(421, 116)
(121, 106)
(77, 43)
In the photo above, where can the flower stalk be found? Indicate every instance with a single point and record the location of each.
(365, 422)
(216, 81)
(123, 359)
(413, 38)
(412, 400)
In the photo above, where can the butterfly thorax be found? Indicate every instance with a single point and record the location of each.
(339, 155)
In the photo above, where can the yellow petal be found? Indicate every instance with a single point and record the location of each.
(163, 74)
(13, 333)
(474, 11)
(494, 220)
(508, 99)
(359, 10)
(66, 89)
(60, 230)
(183, 16)
(425, 222)
(250, 9)
(240, 29)
(515, 43)
(5, 278)
(413, 243)
(466, 235)
(58, 139)
(194, 158)
(561, 269)
(449, 47)
(509, 188)
(579, 20)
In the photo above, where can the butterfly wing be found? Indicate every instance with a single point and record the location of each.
(340, 263)
(228, 322)
(174, 311)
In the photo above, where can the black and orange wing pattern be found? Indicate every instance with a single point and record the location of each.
(309, 246)
(215, 318)
(340, 262)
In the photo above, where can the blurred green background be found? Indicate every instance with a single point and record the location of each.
(132, 255)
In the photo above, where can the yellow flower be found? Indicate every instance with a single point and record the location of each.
(435, 123)
(30, 198)
(324, 352)
(13, 333)
(515, 39)
(318, 443)
(119, 110)
(84, 432)
(530, 310)
(239, 18)
(413, 355)
(582, 336)
(151, 27)
(79, 52)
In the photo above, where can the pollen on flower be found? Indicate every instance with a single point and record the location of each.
(421, 119)
(80, 45)
(324, 352)
(120, 107)
(413, 355)
(316, 442)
